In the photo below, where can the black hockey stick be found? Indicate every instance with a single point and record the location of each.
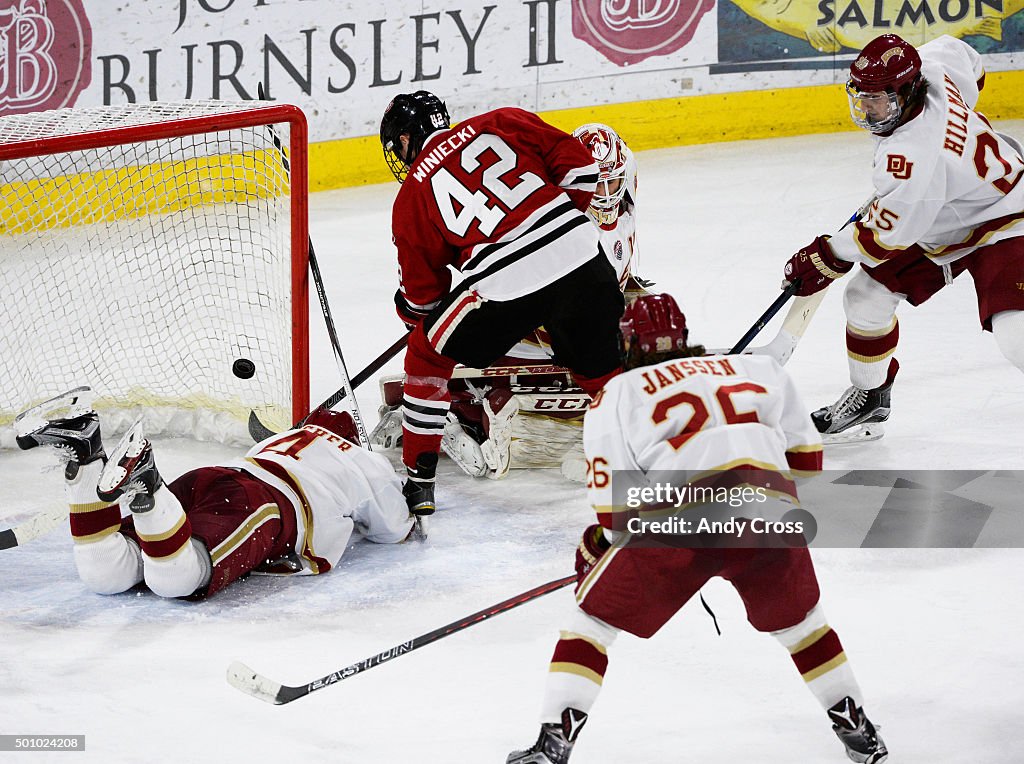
(318, 281)
(767, 316)
(248, 681)
(260, 431)
(800, 315)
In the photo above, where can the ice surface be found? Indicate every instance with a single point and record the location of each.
(932, 634)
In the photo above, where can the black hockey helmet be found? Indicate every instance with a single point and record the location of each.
(416, 115)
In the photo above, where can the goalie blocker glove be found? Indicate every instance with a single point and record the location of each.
(815, 267)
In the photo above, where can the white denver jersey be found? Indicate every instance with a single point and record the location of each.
(334, 487)
(701, 415)
(945, 179)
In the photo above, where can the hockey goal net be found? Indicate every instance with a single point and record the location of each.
(156, 252)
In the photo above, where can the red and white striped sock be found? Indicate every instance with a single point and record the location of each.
(107, 562)
(819, 657)
(577, 667)
(176, 565)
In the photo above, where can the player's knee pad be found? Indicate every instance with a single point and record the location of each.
(798, 632)
(181, 575)
(1008, 329)
(594, 629)
(867, 303)
(109, 566)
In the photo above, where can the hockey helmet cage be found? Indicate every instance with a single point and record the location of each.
(886, 71)
(653, 323)
(612, 157)
(415, 115)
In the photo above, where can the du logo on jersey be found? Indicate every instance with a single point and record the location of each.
(628, 31)
(45, 53)
(898, 166)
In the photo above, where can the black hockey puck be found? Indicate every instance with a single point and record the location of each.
(243, 368)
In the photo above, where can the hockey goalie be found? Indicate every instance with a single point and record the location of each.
(526, 411)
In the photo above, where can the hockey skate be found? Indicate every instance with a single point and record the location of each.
(419, 487)
(130, 473)
(66, 422)
(856, 417)
(855, 731)
(554, 745)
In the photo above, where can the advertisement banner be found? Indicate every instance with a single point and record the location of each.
(780, 34)
(342, 62)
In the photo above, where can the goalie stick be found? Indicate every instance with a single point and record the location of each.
(36, 526)
(325, 307)
(243, 678)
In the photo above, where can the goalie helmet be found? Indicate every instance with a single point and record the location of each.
(885, 83)
(415, 115)
(653, 323)
(612, 157)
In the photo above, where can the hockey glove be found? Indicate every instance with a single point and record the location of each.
(590, 550)
(815, 267)
(411, 316)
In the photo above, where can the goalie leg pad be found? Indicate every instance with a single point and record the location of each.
(483, 449)
(462, 448)
(388, 432)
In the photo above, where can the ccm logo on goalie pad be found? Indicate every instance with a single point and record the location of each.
(560, 404)
(571, 404)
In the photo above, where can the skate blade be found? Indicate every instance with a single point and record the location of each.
(67, 405)
(863, 433)
(421, 528)
(122, 460)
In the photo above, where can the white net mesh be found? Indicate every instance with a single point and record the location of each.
(146, 269)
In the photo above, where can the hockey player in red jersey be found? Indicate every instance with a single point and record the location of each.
(539, 424)
(503, 198)
(289, 506)
(948, 199)
(732, 420)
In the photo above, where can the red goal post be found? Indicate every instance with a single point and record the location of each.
(146, 249)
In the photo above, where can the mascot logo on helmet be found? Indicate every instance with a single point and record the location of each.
(47, 51)
(891, 53)
(599, 148)
(628, 31)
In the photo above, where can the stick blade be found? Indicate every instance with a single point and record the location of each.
(243, 678)
(8, 540)
(34, 527)
(257, 430)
